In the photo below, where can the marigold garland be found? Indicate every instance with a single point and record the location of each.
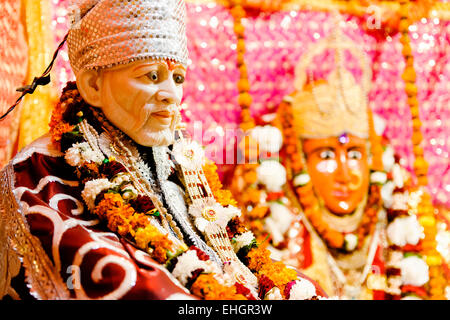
(207, 287)
(425, 209)
(260, 262)
(224, 197)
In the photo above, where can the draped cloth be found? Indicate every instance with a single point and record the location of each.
(13, 69)
(67, 252)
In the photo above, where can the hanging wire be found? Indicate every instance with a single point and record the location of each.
(43, 80)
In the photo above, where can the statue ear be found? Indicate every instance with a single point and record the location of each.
(89, 84)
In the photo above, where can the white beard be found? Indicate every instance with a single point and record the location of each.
(162, 138)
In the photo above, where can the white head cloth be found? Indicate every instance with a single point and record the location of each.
(105, 33)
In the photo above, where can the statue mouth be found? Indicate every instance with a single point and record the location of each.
(164, 117)
(341, 194)
(165, 114)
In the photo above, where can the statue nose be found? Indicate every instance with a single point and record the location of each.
(167, 92)
(342, 170)
(166, 97)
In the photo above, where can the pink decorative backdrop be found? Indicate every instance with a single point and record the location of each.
(275, 42)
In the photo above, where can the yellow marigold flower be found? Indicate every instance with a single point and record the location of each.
(434, 260)
(427, 221)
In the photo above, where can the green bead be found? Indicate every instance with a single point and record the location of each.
(156, 214)
(106, 161)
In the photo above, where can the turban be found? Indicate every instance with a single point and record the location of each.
(105, 33)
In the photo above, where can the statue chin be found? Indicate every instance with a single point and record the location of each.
(147, 138)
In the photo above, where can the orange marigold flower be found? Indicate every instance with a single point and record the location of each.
(259, 212)
(160, 255)
(208, 288)
(224, 197)
(257, 258)
(279, 274)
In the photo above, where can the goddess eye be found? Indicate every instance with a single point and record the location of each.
(326, 155)
(178, 78)
(153, 75)
(355, 154)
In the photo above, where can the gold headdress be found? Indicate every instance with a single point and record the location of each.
(337, 105)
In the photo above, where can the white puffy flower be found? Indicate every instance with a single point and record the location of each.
(405, 230)
(400, 201)
(351, 241)
(301, 179)
(82, 152)
(242, 240)
(399, 175)
(90, 155)
(378, 177)
(278, 222)
(189, 262)
(388, 159)
(271, 174)
(302, 290)
(189, 154)
(269, 138)
(92, 189)
(73, 156)
(273, 294)
(211, 212)
(387, 193)
(414, 271)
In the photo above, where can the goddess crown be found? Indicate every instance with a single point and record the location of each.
(328, 108)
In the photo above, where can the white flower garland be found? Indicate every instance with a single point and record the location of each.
(93, 188)
(405, 230)
(242, 240)
(82, 152)
(222, 215)
(414, 271)
(188, 262)
(272, 174)
(189, 154)
(269, 138)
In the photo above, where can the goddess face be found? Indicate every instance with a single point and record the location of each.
(339, 171)
(141, 99)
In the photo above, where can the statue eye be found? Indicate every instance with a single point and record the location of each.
(326, 155)
(178, 78)
(153, 75)
(355, 154)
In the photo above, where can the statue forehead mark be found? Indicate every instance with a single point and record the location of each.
(171, 65)
(343, 138)
(174, 65)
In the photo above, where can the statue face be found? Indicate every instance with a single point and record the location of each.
(142, 99)
(339, 171)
